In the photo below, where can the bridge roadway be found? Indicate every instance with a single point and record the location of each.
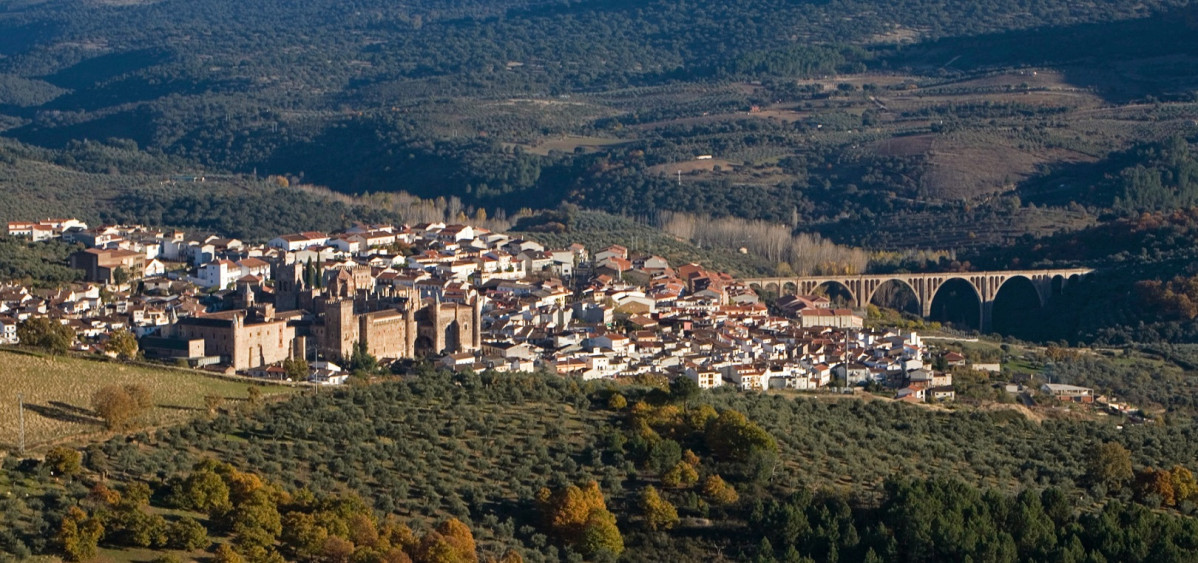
(985, 285)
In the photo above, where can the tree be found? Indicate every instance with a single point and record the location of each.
(735, 437)
(337, 550)
(1110, 466)
(302, 536)
(213, 403)
(1184, 485)
(450, 542)
(579, 516)
(42, 332)
(361, 361)
(253, 394)
(117, 406)
(186, 534)
(123, 344)
(204, 490)
(78, 535)
(682, 474)
(225, 554)
(120, 276)
(63, 461)
(1155, 484)
(617, 402)
(297, 369)
(658, 512)
(718, 491)
(601, 535)
(140, 395)
(683, 389)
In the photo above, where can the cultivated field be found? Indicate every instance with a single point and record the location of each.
(58, 391)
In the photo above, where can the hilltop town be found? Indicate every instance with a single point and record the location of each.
(465, 297)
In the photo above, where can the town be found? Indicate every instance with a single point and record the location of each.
(466, 298)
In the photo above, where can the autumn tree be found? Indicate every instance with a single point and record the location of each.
(203, 490)
(682, 474)
(1155, 484)
(302, 535)
(101, 496)
(63, 461)
(579, 516)
(658, 512)
(1184, 486)
(337, 550)
(255, 521)
(226, 554)
(617, 402)
(140, 395)
(450, 542)
(718, 491)
(118, 406)
(1110, 466)
(47, 334)
(123, 344)
(601, 535)
(186, 534)
(79, 535)
(213, 403)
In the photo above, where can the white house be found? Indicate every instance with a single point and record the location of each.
(706, 377)
(219, 274)
(299, 241)
(8, 330)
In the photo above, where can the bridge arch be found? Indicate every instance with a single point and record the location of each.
(835, 290)
(1017, 305)
(895, 293)
(957, 301)
(1019, 283)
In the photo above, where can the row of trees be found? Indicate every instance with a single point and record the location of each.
(800, 254)
(265, 523)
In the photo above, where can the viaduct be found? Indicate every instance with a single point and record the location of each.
(927, 288)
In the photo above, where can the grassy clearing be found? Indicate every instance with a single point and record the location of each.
(58, 391)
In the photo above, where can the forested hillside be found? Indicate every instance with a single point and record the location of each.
(546, 468)
(816, 115)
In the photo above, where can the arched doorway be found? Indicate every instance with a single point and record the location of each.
(957, 303)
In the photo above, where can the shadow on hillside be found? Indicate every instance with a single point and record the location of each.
(65, 413)
(180, 408)
(74, 409)
(1120, 61)
(89, 72)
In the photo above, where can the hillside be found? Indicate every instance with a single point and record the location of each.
(478, 448)
(58, 399)
(817, 115)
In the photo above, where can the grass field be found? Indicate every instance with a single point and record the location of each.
(57, 394)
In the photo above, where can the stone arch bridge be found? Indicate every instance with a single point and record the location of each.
(985, 286)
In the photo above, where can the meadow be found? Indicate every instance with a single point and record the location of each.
(57, 394)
